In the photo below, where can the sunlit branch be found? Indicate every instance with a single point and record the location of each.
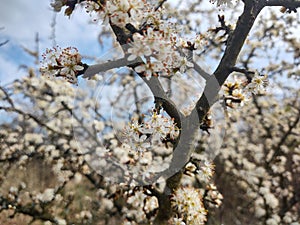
(201, 71)
(94, 69)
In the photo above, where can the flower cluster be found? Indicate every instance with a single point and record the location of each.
(64, 63)
(156, 43)
(258, 84)
(239, 91)
(140, 136)
(155, 40)
(160, 50)
(188, 203)
(222, 2)
(213, 195)
(139, 205)
(118, 12)
(235, 94)
(205, 170)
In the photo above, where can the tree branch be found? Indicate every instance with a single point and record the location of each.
(7, 97)
(286, 3)
(4, 42)
(191, 123)
(201, 71)
(234, 45)
(94, 69)
(161, 97)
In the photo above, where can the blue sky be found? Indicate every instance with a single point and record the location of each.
(20, 21)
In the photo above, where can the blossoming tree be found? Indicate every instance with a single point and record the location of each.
(260, 161)
(156, 167)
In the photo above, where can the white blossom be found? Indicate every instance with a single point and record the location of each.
(188, 202)
(64, 63)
